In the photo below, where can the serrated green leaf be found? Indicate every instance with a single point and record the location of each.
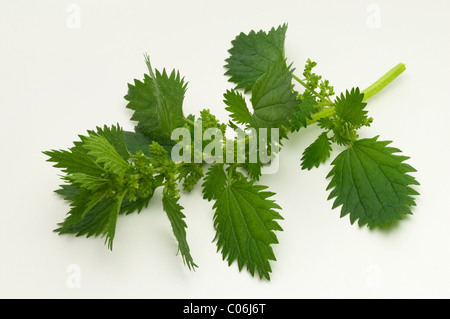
(317, 153)
(305, 110)
(372, 184)
(142, 100)
(92, 183)
(139, 141)
(157, 103)
(115, 137)
(105, 153)
(214, 182)
(274, 101)
(326, 123)
(78, 159)
(137, 205)
(97, 219)
(82, 202)
(109, 231)
(237, 107)
(92, 224)
(71, 193)
(176, 218)
(68, 192)
(170, 91)
(350, 107)
(251, 55)
(75, 160)
(253, 170)
(245, 221)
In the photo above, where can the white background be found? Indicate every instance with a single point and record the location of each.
(59, 79)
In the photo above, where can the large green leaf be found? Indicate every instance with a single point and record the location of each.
(372, 184)
(251, 55)
(245, 221)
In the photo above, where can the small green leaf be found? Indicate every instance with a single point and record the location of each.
(317, 153)
(237, 107)
(110, 228)
(350, 107)
(215, 182)
(372, 184)
(303, 113)
(253, 170)
(176, 218)
(105, 154)
(115, 137)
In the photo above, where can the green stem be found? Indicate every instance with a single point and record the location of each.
(382, 82)
(373, 89)
(191, 123)
(329, 112)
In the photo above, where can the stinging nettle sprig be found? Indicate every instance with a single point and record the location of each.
(111, 172)
(368, 180)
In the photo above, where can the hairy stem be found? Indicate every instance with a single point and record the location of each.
(373, 89)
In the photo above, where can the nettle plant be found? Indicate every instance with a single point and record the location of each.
(111, 172)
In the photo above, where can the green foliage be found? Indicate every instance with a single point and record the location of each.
(111, 184)
(274, 101)
(237, 107)
(305, 109)
(139, 141)
(157, 103)
(251, 55)
(317, 153)
(314, 82)
(215, 182)
(372, 184)
(105, 154)
(74, 160)
(176, 218)
(245, 221)
(111, 172)
(350, 107)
